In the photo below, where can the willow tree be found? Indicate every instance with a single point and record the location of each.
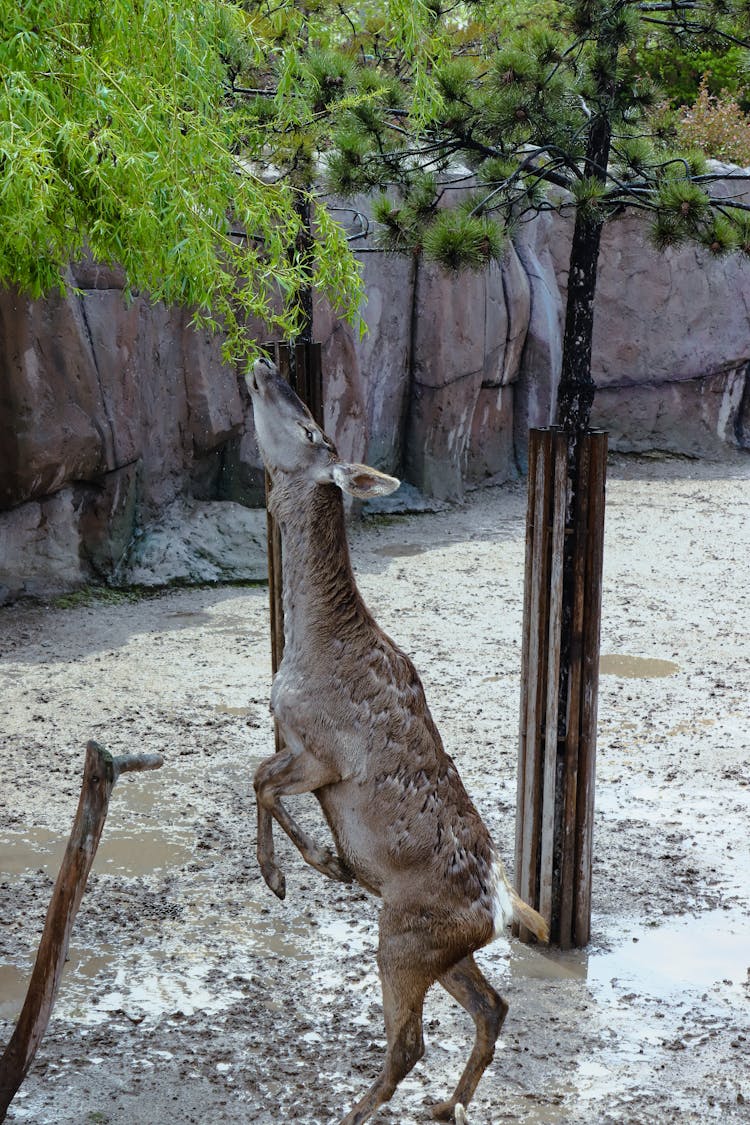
(118, 139)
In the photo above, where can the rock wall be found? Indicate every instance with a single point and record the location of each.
(109, 413)
(671, 346)
(119, 424)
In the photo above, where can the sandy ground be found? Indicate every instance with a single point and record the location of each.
(193, 995)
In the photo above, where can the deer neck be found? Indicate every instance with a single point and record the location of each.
(321, 599)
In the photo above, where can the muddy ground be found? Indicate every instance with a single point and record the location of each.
(193, 995)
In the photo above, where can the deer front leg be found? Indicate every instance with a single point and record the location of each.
(272, 874)
(291, 772)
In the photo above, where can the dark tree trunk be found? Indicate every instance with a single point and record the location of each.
(560, 835)
(576, 392)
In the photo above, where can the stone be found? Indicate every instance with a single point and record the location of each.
(108, 519)
(39, 548)
(439, 429)
(94, 384)
(194, 543)
(215, 408)
(370, 374)
(700, 417)
(449, 337)
(668, 316)
(541, 362)
(517, 293)
(53, 428)
(491, 453)
(115, 417)
(406, 500)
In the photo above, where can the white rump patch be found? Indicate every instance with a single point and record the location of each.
(502, 906)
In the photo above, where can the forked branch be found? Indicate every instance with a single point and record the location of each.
(100, 773)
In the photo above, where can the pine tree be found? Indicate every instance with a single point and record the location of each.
(552, 113)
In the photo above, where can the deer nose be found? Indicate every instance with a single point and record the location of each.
(262, 371)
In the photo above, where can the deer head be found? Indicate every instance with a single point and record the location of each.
(293, 445)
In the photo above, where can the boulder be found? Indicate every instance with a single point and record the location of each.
(439, 430)
(53, 426)
(671, 342)
(93, 384)
(40, 548)
(491, 453)
(367, 379)
(541, 359)
(700, 417)
(194, 543)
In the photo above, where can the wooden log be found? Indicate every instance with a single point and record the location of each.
(534, 696)
(534, 440)
(559, 679)
(589, 691)
(557, 516)
(572, 718)
(100, 773)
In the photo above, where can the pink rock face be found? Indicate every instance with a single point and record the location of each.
(51, 409)
(93, 385)
(110, 411)
(491, 453)
(367, 380)
(661, 317)
(113, 404)
(671, 343)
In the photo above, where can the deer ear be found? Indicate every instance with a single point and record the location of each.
(362, 481)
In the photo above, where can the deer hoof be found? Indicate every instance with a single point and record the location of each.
(274, 878)
(331, 865)
(340, 870)
(450, 1111)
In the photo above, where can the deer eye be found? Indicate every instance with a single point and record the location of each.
(310, 435)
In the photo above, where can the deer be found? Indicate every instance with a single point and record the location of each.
(356, 732)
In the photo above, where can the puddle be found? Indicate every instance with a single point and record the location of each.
(534, 964)
(13, 984)
(155, 993)
(144, 983)
(636, 667)
(81, 967)
(131, 852)
(692, 955)
(399, 550)
(223, 709)
(188, 618)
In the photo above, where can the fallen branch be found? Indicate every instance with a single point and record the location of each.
(100, 773)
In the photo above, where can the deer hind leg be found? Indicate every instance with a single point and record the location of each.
(466, 984)
(405, 982)
(291, 772)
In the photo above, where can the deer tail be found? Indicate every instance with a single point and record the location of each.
(526, 916)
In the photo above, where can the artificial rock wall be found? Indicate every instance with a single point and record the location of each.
(127, 450)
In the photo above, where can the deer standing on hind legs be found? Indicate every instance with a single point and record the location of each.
(358, 734)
